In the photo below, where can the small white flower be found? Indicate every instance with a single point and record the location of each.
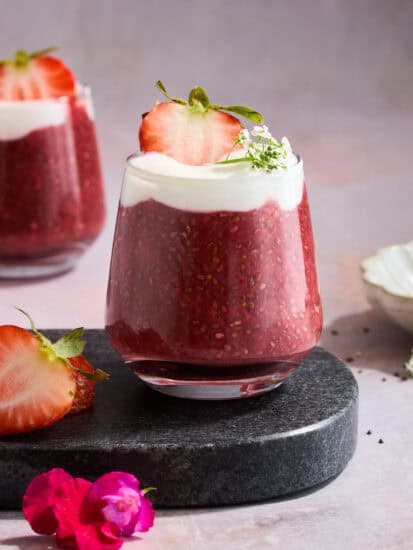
(262, 132)
(287, 147)
(265, 153)
(243, 137)
(272, 141)
(254, 149)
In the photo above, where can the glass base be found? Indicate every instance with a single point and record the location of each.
(212, 383)
(48, 265)
(213, 391)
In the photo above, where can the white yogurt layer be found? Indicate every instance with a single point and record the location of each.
(19, 118)
(212, 187)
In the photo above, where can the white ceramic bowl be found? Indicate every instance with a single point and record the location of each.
(388, 282)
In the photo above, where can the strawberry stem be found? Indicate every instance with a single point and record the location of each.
(198, 96)
(66, 347)
(198, 102)
(22, 58)
(162, 89)
(232, 161)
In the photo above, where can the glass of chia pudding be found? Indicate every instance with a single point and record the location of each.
(213, 289)
(51, 190)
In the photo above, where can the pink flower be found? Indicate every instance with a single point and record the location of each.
(122, 503)
(39, 500)
(87, 516)
(80, 524)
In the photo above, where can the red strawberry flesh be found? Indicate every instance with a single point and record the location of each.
(188, 137)
(35, 391)
(193, 132)
(35, 76)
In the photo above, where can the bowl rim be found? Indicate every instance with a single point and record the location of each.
(380, 253)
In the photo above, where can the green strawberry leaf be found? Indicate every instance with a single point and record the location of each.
(245, 112)
(22, 58)
(44, 51)
(199, 102)
(198, 96)
(162, 89)
(71, 344)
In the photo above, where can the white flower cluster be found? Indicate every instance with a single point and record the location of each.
(265, 152)
(409, 366)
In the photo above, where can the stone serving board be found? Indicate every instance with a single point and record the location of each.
(197, 453)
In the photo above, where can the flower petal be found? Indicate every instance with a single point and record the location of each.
(146, 516)
(80, 522)
(40, 498)
(121, 502)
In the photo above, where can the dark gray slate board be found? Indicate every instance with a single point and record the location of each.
(197, 453)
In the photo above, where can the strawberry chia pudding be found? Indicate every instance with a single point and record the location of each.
(213, 289)
(51, 189)
(212, 267)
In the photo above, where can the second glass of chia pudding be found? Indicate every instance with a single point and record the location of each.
(51, 190)
(213, 289)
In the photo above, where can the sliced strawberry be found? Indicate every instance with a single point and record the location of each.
(35, 391)
(35, 76)
(192, 132)
(85, 387)
(40, 380)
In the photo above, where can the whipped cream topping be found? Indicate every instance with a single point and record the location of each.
(211, 187)
(20, 118)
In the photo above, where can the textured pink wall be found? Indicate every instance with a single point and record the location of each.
(334, 75)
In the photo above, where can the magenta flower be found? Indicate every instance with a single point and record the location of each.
(122, 503)
(86, 516)
(40, 498)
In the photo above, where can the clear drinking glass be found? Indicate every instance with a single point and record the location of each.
(213, 289)
(51, 190)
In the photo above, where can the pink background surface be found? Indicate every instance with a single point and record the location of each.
(335, 77)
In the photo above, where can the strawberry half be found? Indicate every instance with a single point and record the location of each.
(38, 382)
(192, 132)
(35, 76)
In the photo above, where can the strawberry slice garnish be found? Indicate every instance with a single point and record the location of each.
(38, 382)
(35, 76)
(192, 132)
(35, 391)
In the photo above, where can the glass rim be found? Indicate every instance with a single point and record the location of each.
(158, 177)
